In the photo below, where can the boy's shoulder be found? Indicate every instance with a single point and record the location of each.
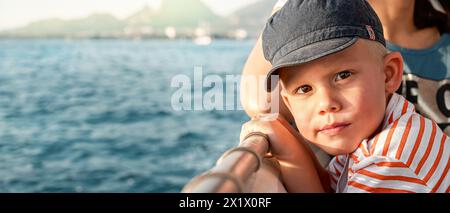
(410, 146)
(405, 137)
(405, 132)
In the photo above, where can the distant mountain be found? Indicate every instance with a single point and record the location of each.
(252, 17)
(142, 17)
(92, 25)
(183, 15)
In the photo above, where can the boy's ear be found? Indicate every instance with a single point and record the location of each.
(393, 70)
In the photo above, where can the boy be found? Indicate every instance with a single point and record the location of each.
(339, 83)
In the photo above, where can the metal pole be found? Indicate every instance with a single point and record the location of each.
(233, 169)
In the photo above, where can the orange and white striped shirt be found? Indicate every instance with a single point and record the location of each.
(410, 154)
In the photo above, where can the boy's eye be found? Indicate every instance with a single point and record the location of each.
(343, 75)
(304, 89)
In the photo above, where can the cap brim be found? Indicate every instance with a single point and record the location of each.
(308, 53)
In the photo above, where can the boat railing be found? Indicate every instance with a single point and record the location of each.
(233, 169)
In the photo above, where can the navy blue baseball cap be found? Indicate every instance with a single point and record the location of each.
(305, 30)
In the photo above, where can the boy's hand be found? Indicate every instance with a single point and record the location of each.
(283, 138)
(298, 165)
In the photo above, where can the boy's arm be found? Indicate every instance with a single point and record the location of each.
(323, 174)
(300, 170)
(255, 67)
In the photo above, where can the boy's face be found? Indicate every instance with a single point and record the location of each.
(338, 100)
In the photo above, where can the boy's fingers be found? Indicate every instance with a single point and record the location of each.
(246, 129)
(268, 117)
(252, 126)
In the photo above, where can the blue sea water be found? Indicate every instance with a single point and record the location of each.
(96, 115)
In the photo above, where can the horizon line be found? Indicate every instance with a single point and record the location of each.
(146, 5)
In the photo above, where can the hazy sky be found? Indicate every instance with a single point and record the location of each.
(15, 13)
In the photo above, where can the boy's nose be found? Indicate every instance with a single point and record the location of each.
(328, 102)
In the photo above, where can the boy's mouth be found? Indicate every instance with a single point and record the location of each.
(333, 129)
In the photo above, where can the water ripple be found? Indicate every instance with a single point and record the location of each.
(95, 116)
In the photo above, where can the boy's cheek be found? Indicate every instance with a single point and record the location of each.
(298, 111)
(303, 125)
(301, 113)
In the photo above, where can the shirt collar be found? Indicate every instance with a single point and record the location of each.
(397, 107)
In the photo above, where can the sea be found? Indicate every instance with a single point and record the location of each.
(98, 116)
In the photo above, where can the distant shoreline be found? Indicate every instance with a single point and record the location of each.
(109, 37)
(120, 38)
